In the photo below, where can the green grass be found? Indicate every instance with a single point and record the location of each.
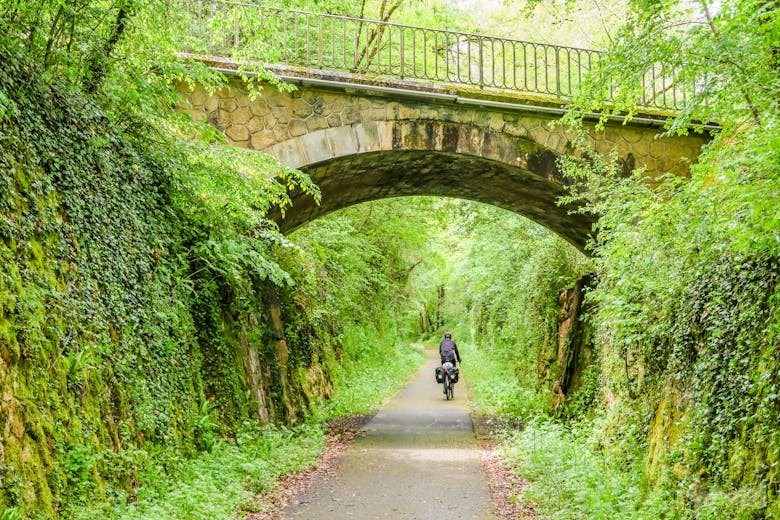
(373, 368)
(570, 474)
(569, 479)
(495, 387)
(216, 484)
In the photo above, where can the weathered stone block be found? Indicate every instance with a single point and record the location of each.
(539, 134)
(632, 135)
(556, 142)
(334, 120)
(342, 140)
(515, 129)
(367, 137)
(289, 153)
(259, 107)
(658, 148)
(351, 115)
(374, 114)
(318, 106)
(470, 140)
(367, 103)
(274, 98)
(241, 116)
(197, 115)
(198, 97)
(297, 127)
(531, 123)
(242, 98)
(384, 130)
(331, 103)
(316, 147)
(450, 114)
(300, 108)
(315, 123)
(281, 114)
(237, 133)
(429, 112)
(408, 112)
(262, 139)
(281, 133)
(228, 104)
(496, 122)
(255, 124)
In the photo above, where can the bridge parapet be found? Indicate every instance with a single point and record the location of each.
(306, 125)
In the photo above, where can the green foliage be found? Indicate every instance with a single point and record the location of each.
(11, 514)
(507, 275)
(372, 368)
(353, 271)
(220, 483)
(114, 247)
(687, 295)
(496, 388)
(570, 479)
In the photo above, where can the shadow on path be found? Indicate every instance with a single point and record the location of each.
(418, 458)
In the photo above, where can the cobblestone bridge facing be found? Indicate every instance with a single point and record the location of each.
(362, 142)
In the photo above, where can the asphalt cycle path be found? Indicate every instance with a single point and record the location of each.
(418, 458)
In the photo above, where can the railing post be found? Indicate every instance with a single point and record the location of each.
(200, 19)
(481, 66)
(319, 41)
(401, 53)
(211, 32)
(236, 27)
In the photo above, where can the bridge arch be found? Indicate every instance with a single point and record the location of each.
(380, 159)
(362, 142)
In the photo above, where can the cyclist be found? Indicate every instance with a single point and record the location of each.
(448, 349)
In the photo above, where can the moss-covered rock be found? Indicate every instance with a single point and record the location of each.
(116, 338)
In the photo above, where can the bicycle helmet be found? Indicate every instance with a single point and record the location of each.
(447, 335)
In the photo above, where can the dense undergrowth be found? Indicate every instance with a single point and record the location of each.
(135, 336)
(679, 416)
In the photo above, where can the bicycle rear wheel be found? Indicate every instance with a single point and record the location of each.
(448, 387)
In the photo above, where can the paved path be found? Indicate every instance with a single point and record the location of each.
(417, 459)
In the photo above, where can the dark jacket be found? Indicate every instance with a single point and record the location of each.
(446, 350)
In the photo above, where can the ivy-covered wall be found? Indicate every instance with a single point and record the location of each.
(119, 332)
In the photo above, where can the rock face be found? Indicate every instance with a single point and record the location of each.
(116, 339)
(562, 369)
(359, 145)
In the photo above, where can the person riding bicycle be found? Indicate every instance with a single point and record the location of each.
(448, 350)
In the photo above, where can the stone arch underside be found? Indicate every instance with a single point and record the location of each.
(367, 176)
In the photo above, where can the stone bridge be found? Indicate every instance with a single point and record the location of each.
(362, 140)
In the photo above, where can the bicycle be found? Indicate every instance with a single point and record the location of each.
(447, 374)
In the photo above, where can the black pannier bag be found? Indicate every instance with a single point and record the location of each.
(454, 374)
(439, 375)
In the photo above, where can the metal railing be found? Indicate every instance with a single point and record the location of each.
(269, 35)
